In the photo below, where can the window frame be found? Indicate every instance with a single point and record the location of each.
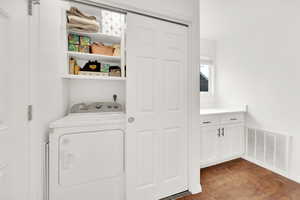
(211, 82)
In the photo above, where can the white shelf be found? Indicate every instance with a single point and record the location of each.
(100, 37)
(89, 56)
(86, 77)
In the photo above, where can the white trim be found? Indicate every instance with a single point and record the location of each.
(4, 13)
(220, 161)
(171, 16)
(35, 147)
(194, 103)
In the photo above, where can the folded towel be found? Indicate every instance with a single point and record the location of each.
(76, 12)
(82, 27)
(79, 20)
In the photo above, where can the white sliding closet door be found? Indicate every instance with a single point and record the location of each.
(156, 148)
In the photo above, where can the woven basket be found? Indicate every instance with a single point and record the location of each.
(98, 48)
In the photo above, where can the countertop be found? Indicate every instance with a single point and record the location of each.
(224, 110)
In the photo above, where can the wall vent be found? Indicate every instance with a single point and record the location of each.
(269, 150)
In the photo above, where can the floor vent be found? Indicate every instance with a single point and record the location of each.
(177, 196)
(269, 150)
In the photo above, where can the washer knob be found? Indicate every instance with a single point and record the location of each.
(131, 119)
(98, 106)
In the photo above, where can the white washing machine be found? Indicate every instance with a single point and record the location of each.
(86, 154)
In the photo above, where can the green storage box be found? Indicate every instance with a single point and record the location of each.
(85, 40)
(73, 39)
(105, 67)
(84, 49)
(73, 47)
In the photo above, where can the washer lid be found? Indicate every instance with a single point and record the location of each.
(88, 119)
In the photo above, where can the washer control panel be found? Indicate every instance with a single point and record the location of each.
(97, 107)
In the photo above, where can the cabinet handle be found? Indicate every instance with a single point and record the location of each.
(233, 119)
(207, 122)
(219, 132)
(223, 132)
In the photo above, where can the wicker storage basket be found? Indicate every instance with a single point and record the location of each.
(98, 48)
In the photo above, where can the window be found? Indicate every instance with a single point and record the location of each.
(206, 77)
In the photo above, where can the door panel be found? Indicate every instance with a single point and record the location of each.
(145, 158)
(14, 98)
(145, 89)
(209, 144)
(235, 133)
(232, 144)
(171, 144)
(225, 145)
(157, 98)
(172, 85)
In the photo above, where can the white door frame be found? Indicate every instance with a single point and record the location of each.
(36, 181)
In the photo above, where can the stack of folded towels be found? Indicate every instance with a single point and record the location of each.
(78, 21)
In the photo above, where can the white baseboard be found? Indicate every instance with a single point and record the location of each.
(196, 189)
(219, 161)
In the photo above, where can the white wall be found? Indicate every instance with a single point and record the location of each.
(207, 48)
(94, 90)
(258, 62)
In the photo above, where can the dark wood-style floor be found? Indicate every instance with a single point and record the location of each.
(242, 180)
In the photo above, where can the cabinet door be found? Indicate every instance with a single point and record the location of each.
(209, 144)
(232, 143)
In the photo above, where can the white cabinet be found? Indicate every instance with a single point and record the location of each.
(222, 138)
(235, 137)
(209, 144)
